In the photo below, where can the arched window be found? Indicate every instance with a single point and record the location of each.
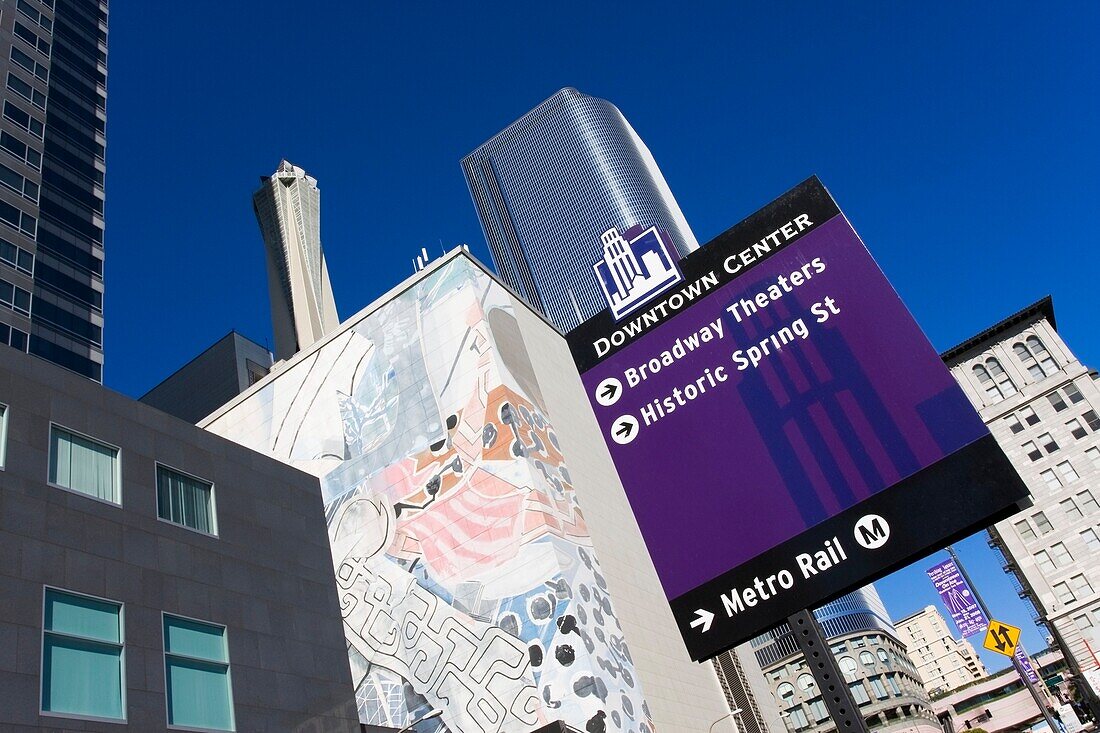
(1000, 377)
(994, 380)
(786, 693)
(848, 667)
(986, 382)
(883, 657)
(1046, 361)
(1034, 355)
(867, 658)
(805, 682)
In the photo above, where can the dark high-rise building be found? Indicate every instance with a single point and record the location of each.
(53, 58)
(549, 186)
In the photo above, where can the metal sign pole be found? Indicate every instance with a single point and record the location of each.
(1015, 662)
(830, 681)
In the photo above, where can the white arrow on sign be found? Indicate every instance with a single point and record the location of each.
(704, 618)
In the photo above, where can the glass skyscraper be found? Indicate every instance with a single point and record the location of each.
(550, 184)
(53, 59)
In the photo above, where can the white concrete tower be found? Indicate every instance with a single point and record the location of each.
(288, 209)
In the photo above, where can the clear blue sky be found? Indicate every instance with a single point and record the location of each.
(961, 142)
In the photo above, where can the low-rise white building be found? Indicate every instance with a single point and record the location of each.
(999, 702)
(943, 661)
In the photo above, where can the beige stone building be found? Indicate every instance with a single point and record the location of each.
(1042, 404)
(943, 661)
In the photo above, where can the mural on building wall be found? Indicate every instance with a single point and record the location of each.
(465, 570)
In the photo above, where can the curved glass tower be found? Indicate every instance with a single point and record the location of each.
(546, 188)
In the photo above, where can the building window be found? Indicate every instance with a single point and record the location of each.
(867, 658)
(186, 500)
(883, 657)
(879, 688)
(1041, 521)
(3, 435)
(1032, 451)
(84, 465)
(1083, 622)
(1050, 479)
(848, 667)
(1029, 416)
(1024, 530)
(1076, 429)
(786, 693)
(819, 711)
(805, 682)
(994, 380)
(1069, 506)
(1048, 442)
(1056, 401)
(1094, 456)
(1035, 357)
(82, 657)
(1060, 555)
(16, 257)
(1014, 424)
(196, 672)
(1092, 542)
(1069, 473)
(1092, 420)
(1073, 393)
(798, 718)
(1087, 501)
(16, 298)
(1064, 594)
(892, 679)
(1080, 585)
(1042, 559)
(859, 693)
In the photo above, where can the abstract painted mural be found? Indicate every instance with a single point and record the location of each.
(466, 575)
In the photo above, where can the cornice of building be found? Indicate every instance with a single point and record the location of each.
(1040, 309)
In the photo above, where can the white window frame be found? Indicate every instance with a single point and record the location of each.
(118, 467)
(164, 654)
(213, 508)
(4, 435)
(121, 659)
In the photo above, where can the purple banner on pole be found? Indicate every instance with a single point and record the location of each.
(1025, 663)
(959, 599)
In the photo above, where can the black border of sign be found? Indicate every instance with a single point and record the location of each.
(954, 497)
(809, 197)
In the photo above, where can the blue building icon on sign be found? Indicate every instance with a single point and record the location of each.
(636, 270)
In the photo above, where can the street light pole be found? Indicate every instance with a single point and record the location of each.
(732, 714)
(1015, 662)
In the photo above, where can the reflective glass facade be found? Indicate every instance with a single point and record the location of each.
(550, 184)
(53, 61)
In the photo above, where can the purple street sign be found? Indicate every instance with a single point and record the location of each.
(959, 599)
(1025, 663)
(783, 429)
